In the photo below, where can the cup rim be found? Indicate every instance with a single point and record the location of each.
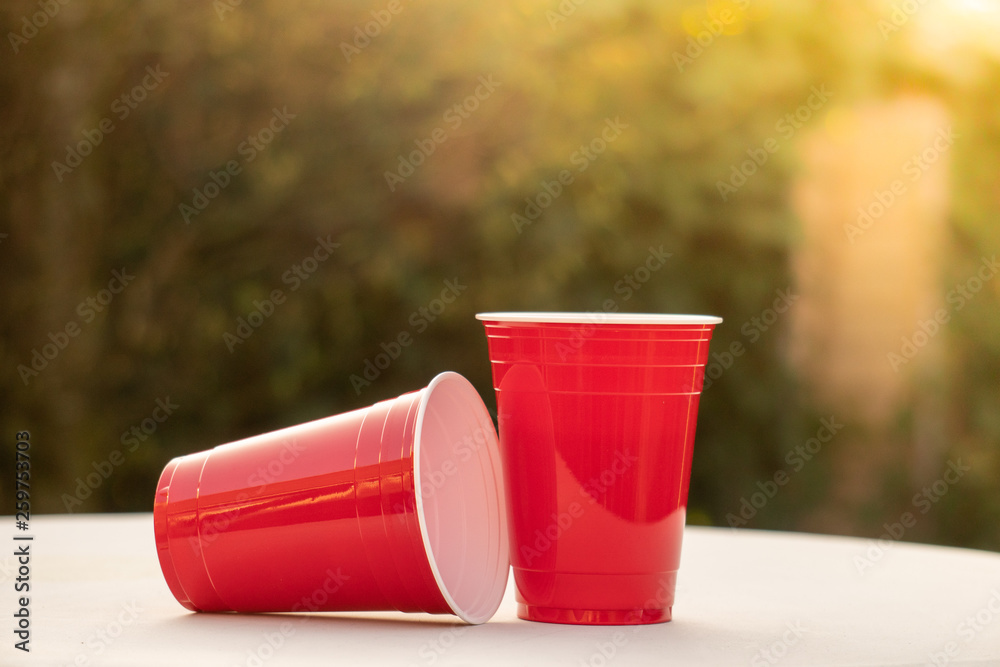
(598, 318)
(493, 583)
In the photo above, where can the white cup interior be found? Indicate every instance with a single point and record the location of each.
(460, 497)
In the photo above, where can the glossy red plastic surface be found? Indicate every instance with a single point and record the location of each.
(597, 425)
(324, 516)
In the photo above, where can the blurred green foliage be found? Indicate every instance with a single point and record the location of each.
(325, 175)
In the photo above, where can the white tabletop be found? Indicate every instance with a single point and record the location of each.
(743, 598)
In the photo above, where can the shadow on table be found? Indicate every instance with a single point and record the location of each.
(420, 637)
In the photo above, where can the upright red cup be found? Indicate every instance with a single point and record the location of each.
(394, 506)
(597, 418)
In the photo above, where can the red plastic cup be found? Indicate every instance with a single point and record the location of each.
(597, 418)
(394, 506)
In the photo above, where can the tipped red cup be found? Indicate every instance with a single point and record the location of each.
(395, 506)
(597, 417)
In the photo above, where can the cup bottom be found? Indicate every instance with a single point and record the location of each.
(530, 612)
(595, 599)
